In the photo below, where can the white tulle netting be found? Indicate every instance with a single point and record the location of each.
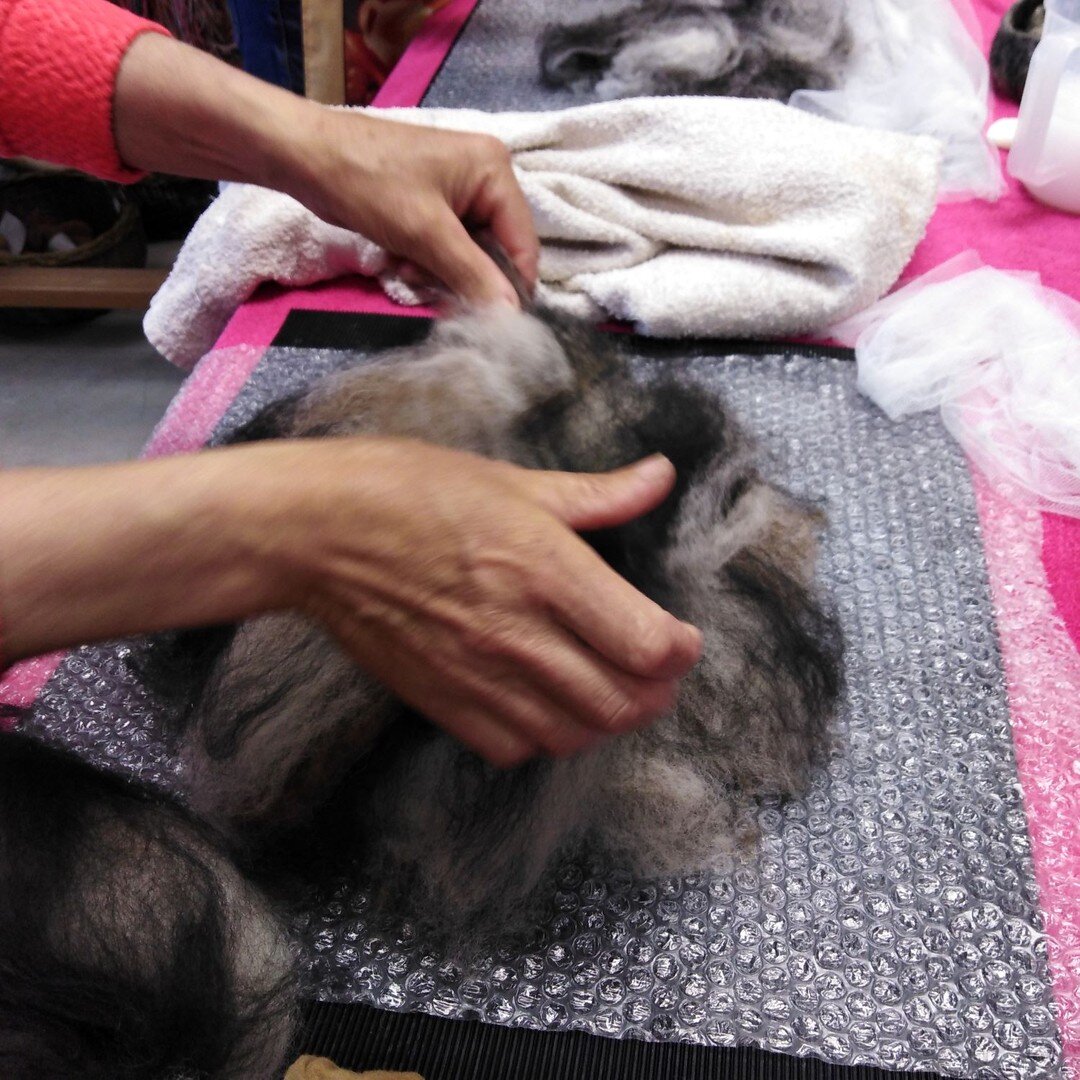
(918, 69)
(999, 354)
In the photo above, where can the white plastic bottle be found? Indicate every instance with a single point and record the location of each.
(1045, 154)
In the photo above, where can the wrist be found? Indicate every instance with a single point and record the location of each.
(94, 553)
(178, 110)
(334, 513)
(286, 518)
(317, 142)
(278, 136)
(223, 519)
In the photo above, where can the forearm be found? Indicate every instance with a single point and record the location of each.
(405, 187)
(178, 110)
(93, 553)
(456, 581)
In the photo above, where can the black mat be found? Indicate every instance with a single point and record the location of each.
(360, 1037)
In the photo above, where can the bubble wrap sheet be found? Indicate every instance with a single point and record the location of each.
(889, 917)
(495, 61)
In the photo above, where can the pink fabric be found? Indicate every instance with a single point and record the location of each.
(203, 400)
(1061, 559)
(1033, 561)
(22, 682)
(258, 320)
(58, 66)
(412, 74)
(1042, 669)
(1016, 232)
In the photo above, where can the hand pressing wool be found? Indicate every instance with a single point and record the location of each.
(315, 765)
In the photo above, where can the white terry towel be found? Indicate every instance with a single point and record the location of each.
(709, 217)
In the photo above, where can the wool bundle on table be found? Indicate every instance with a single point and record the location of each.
(737, 48)
(290, 744)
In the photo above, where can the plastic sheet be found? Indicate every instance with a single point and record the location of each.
(1000, 355)
(917, 69)
(889, 916)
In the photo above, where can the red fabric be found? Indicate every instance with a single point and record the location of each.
(58, 66)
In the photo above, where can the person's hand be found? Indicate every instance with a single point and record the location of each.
(413, 190)
(458, 582)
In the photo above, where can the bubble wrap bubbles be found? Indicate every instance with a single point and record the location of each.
(888, 917)
(999, 354)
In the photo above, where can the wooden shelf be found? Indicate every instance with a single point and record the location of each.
(78, 287)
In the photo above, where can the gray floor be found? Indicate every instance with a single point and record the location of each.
(82, 394)
(79, 395)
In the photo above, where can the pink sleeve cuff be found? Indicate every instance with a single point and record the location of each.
(58, 65)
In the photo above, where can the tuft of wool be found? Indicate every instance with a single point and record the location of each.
(138, 939)
(734, 48)
(131, 948)
(296, 752)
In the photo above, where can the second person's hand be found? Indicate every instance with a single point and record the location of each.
(460, 583)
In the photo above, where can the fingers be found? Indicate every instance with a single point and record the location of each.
(410, 188)
(509, 695)
(500, 206)
(575, 680)
(623, 625)
(531, 717)
(587, 501)
(537, 691)
(487, 196)
(592, 600)
(485, 735)
(499, 715)
(546, 687)
(450, 253)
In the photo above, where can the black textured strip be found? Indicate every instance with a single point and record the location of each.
(356, 330)
(362, 1037)
(687, 348)
(303, 329)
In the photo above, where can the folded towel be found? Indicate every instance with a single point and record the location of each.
(707, 217)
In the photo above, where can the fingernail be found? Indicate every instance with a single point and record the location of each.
(696, 636)
(655, 466)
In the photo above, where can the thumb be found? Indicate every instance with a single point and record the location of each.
(601, 500)
(452, 255)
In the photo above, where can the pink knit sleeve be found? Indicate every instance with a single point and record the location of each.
(58, 66)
